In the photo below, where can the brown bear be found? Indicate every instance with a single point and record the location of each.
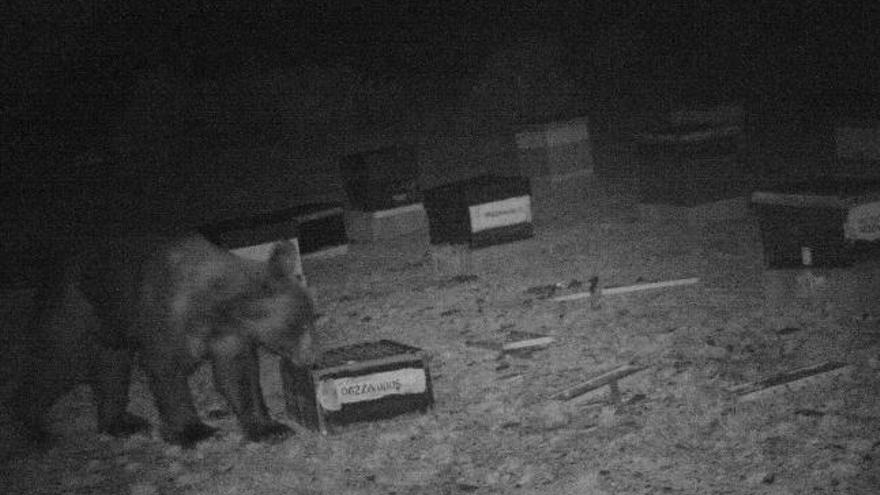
(175, 303)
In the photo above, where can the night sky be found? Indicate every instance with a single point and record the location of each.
(75, 72)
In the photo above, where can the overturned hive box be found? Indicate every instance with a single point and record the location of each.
(481, 211)
(360, 382)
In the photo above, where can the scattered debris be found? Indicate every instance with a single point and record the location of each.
(524, 344)
(549, 290)
(528, 343)
(542, 291)
(608, 291)
(463, 279)
(457, 280)
(516, 341)
(609, 378)
(218, 413)
(484, 344)
(811, 413)
(791, 380)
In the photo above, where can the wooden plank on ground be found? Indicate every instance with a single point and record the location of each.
(629, 288)
(792, 380)
(607, 378)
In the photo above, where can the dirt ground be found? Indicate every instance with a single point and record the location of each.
(677, 426)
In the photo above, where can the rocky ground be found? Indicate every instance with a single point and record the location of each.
(678, 425)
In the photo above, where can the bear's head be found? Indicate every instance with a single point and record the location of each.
(276, 310)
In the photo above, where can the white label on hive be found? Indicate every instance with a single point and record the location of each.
(511, 211)
(863, 222)
(334, 392)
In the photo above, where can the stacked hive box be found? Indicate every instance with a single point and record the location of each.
(382, 188)
(557, 157)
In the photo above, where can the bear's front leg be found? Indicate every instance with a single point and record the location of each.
(111, 377)
(180, 421)
(236, 368)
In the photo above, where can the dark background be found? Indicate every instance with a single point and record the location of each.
(128, 115)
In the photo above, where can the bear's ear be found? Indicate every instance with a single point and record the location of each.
(285, 261)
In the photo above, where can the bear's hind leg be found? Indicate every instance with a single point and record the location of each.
(32, 397)
(110, 381)
(236, 368)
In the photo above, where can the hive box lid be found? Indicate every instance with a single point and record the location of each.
(824, 191)
(477, 190)
(252, 230)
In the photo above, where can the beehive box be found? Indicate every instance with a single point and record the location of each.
(381, 179)
(822, 222)
(375, 226)
(693, 156)
(481, 211)
(555, 149)
(254, 237)
(360, 382)
(321, 230)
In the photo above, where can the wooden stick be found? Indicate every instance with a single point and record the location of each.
(629, 288)
(791, 380)
(522, 344)
(606, 378)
